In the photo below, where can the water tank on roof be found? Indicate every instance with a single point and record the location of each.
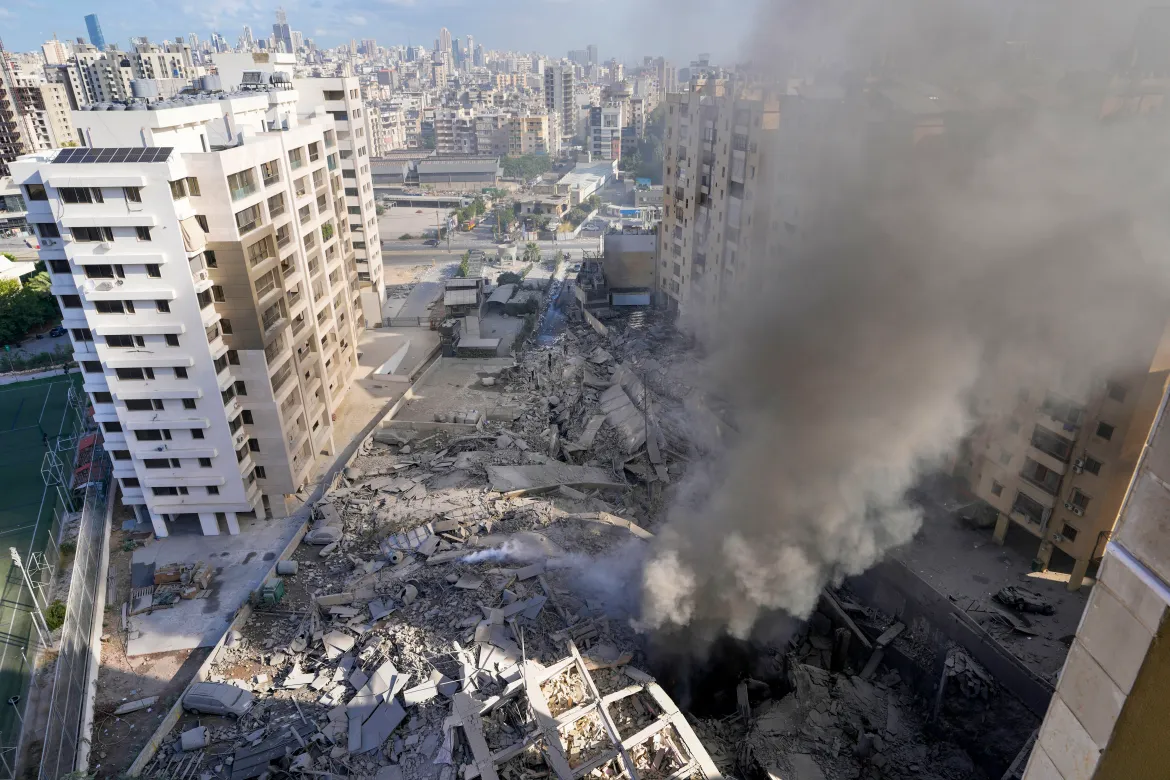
(280, 77)
(211, 83)
(144, 88)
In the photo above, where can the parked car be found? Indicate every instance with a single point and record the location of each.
(1023, 600)
(57, 331)
(210, 698)
(431, 242)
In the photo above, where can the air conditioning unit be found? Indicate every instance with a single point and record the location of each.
(106, 245)
(202, 276)
(1079, 466)
(1058, 538)
(1070, 506)
(103, 286)
(241, 437)
(1076, 510)
(49, 242)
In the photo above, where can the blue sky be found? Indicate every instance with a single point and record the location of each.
(624, 28)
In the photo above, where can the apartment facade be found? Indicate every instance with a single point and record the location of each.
(558, 95)
(605, 131)
(209, 287)
(534, 134)
(1106, 718)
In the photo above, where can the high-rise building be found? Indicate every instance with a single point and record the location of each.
(605, 130)
(444, 40)
(95, 32)
(558, 96)
(298, 40)
(471, 50)
(369, 47)
(249, 42)
(479, 60)
(282, 32)
(55, 51)
(211, 297)
(591, 51)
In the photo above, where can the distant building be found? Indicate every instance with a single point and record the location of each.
(558, 96)
(95, 32)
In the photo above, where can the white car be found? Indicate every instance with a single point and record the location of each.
(210, 698)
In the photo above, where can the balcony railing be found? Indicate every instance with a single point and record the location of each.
(299, 323)
(295, 163)
(243, 192)
(281, 376)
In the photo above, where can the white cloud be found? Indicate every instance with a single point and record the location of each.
(357, 20)
(6, 14)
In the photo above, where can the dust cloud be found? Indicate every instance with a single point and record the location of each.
(921, 287)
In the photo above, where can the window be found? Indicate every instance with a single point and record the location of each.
(81, 194)
(143, 232)
(209, 258)
(153, 271)
(110, 307)
(996, 488)
(212, 490)
(130, 482)
(120, 341)
(196, 433)
(172, 340)
(192, 186)
(178, 189)
(202, 222)
(156, 463)
(92, 234)
(48, 229)
(1105, 431)
(1116, 391)
(166, 491)
(112, 427)
(253, 445)
(233, 357)
(1048, 442)
(247, 416)
(142, 404)
(259, 473)
(120, 454)
(241, 184)
(104, 271)
(1092, 466)
(1041, 476)
(226, 326)
(35, 192)
(1079, 500)
(188, 403)
(91, 366)
(241, 387)
(161, 434)
(133, 194)
(135, 373)
(1031, 509)
(248, 219)
(71, 301)
(1069, 533)
(217, 293)
(102, 397)
(205, 463)
(60, 266)
(180, 372)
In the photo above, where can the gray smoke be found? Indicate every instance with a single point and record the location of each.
(918, 295)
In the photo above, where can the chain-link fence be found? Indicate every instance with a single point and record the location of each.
(71, 677)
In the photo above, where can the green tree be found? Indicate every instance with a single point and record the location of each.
(509, 277)
(525, 167)
(532, 252)
(478, 207)
(464, 265)
(576, 216)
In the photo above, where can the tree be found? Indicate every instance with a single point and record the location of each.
(509, 277)
(24, 308)
(478, 207)
(464, 265)
(532, 252)
(525, 167)
(379, 209)
(576, 216)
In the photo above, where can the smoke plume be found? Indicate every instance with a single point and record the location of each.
(924, 285)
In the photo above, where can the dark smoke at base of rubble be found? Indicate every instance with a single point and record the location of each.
(920, 295)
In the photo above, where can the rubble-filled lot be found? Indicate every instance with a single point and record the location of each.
(458, 610)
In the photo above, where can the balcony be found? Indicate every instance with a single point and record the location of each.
(240, 193)
(281, 377)
(274, 350)
(1040, 476)
(298, 324)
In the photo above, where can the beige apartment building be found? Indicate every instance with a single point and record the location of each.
(534, 134)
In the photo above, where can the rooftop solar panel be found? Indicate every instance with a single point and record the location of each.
(131, 154)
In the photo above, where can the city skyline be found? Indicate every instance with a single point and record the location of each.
(518, 25)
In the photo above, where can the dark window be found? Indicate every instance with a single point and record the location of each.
(166, 491)
(82, 334)
(1116, 391)
(241, 388)
(102, 397)
(130, 482)
(247, 415)
(209, 257)
(233, 356)
(133, 194)
(81, 194)
(202, 220)
(1069, 533)
(212, 490)
(178, 189)
(130, 373)
(1029, 507)
(217, 293)
(1048, 442)
(109, 307)
(196, 433)
(71, 301)
(172, 340)
(259, 473)
(99, 272)
(1080, 500)
(153, 435)
(1105, 431)
(226, 326)
(143, 232)
(188, 403)
(205, 463)
(1041, 476)
(180, 372)
(192, 185)
(253, 445)
(48, 230)
(139, 404)
(1092, 466)
(163, 306)
(996, 489)
(1065, 411)
(153, 271)
(59, 266)
(35, 192)
(112, 427)
(157, 463)
(120, 454)
(129, 306)
(119, 341)
(91, 234)
(91, 366)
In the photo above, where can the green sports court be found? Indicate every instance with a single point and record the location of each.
(32, 415)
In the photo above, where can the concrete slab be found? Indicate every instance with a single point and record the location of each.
(240, 563)
(507, 479)
(420, 300)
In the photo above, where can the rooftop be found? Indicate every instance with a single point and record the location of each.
(134, 154)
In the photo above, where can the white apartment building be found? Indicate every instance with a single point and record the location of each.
(605, 131)
(341, 98)
(202, 256)
(558, 95)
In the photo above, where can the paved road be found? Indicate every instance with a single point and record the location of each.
(463, 243)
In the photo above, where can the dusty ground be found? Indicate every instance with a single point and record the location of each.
(402, 219)
(966, 565)
(118, 739)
